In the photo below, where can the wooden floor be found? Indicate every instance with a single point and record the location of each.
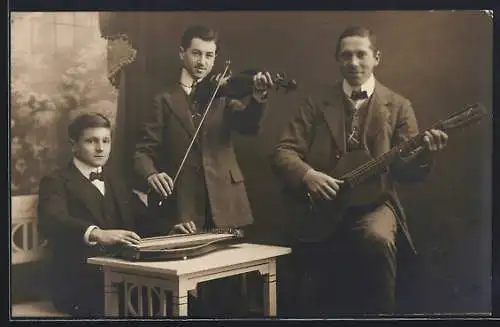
(45, 309)
(35, 309)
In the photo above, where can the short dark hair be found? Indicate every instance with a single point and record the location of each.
(202, 32)
(357, 31)
(84, 121)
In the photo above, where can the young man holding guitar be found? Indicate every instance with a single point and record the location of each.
(345, 246)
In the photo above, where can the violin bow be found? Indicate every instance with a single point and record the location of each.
(197, 131)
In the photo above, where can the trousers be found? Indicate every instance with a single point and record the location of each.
(354, 271)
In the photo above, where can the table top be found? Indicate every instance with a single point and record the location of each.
(232, 255)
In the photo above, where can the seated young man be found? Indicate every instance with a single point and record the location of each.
(82, 209)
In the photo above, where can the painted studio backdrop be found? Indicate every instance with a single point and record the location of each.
(63, 63)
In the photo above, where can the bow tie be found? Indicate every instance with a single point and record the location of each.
(93, 176)
(359, 95)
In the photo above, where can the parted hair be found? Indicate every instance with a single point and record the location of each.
(357, 31)
(84, 121)
(199, 31)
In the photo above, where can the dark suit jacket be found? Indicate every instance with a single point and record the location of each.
(68, 204)
(164, 137)
(316, 138)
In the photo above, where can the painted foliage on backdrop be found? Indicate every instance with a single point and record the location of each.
(58, 69)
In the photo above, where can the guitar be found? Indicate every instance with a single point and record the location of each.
(360, 173)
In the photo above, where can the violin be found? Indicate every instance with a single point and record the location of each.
(236, 86)
(225, 84)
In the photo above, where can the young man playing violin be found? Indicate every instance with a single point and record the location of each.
(210, 191)
(350, 269)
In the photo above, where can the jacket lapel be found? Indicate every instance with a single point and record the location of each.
(82, 189)
(333, 111)
(376, 120)
(217, 104)
(180, 107)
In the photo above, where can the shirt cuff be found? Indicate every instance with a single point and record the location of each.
(87, 235)
(142, 196)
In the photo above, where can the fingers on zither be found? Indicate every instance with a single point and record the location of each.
(134, 236)
(191, 227)
(127, 242)
(130, 240)
(183, 229)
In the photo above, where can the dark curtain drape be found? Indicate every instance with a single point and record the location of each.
(136, 67)
(121, 54)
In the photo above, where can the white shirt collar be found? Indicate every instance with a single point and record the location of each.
(186, 81)
(84, 168)
(368, 86)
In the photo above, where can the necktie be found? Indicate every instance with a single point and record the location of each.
(195, 106)
(93, 176)
(359, 95)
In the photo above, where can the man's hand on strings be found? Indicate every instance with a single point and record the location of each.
(161, 183)
(184, 228)
(435, 140)
(262, 82)
(114, 236)
(321, 185)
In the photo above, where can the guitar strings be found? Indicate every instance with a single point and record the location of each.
(355, 175)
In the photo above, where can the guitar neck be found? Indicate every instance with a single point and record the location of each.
(414, 145)
(381, 163)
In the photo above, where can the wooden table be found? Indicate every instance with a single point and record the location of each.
(181, 277)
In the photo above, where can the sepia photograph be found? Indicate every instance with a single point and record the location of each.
(251, 164)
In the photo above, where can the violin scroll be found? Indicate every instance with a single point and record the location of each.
(287, 85)
(242, 83)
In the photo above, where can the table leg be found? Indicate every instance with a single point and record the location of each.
(111, 299)
(270, 290)
(180, 300)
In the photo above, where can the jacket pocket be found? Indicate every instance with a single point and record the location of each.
(236, 175)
